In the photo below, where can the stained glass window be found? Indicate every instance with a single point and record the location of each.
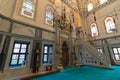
(90, 6)
(49, 16)
(110, 25)
(102, 1)
(28, 8)
(94, 29)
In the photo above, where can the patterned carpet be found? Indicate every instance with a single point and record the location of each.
(84, 73)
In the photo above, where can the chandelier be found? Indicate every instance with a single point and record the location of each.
(63, 21)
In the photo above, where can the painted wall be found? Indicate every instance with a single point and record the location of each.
(8, 73)
(6, 10)
(39, 19)
(22, 32)
(4, 25)
(101, 14)
(7, 7)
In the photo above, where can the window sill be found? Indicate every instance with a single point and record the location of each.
(16, 67)
(46, 64)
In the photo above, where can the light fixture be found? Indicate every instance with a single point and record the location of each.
(62, 21)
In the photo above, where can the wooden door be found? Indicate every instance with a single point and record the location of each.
(65, 54)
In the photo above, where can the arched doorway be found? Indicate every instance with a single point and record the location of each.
(65, 54)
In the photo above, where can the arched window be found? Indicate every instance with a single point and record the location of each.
(28, 8)
(90, 6)
(49, 16)
(110, 25)
(102, 1)
(94, 29)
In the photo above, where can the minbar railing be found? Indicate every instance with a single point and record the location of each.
(93, 52)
